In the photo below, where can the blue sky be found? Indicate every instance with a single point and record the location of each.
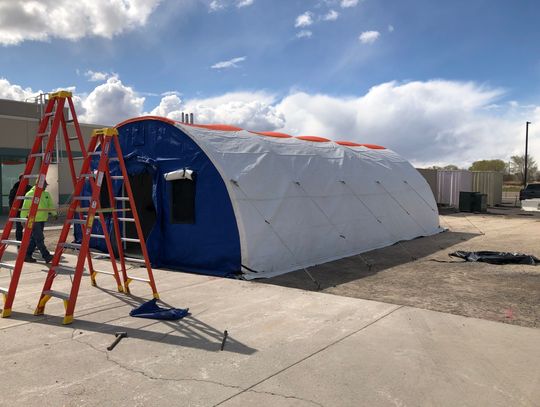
(435, 74)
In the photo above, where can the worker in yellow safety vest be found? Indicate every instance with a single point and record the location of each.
(45, 208)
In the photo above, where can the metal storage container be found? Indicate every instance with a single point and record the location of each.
(489, 183)
(450, 183)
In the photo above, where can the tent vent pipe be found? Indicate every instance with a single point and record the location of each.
(191, 118)
(182, 117)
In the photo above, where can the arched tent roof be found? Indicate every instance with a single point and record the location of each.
(302, 201)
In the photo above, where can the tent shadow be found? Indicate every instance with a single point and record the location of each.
(189, 332)
(353, 268)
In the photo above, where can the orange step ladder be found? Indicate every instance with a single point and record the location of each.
(100, 146)
(54, 118)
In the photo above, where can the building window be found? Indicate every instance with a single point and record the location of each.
(183, 201)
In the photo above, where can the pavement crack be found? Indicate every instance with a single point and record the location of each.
(148, 375)
(312, 354)
(286, 397)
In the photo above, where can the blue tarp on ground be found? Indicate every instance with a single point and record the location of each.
(210, 245)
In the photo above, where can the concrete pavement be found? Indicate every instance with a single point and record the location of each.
(286, 347)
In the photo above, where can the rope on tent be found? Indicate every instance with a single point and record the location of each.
(468, 220)
(398, 242)
(401, 206)
(368, 264)
(427, 203)
(234, 182)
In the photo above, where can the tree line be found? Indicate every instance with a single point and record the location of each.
(513, 170)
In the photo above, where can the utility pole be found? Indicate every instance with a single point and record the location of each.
(526, 153)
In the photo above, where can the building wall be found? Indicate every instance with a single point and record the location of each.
(19, 123)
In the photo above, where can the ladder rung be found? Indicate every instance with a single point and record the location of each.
(13, 242)
(128, 239)
(82, 198)
(70, 121)
(64, 270)
(20, 220)
(56, 294)
(134, 260)
(37, 155)
(121, 198)
(110, 273)
(49, 114)
(87, 175)
(78, 158)
(21, 198)
(7, 266)
(3, 290)
(31, 176)
(144, 280)
(98, 236)
(75, 246)
(95, 153)
(117, 177)
(73, 138)
(126, 219)
(99, 254)
(78, 221)
(113, 159)
(44, 134)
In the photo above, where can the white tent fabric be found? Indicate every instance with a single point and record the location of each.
(300, 203)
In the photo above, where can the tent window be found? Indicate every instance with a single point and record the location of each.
(182, 201)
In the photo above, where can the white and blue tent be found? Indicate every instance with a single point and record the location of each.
(221, 200)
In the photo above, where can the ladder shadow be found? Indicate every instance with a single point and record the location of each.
(189, 332)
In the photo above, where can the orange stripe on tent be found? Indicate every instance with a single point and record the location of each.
(220, 127)
(374, 146)
(138, 119)
(226, 127)
(351, 144)
(271, 134)
(313, 138)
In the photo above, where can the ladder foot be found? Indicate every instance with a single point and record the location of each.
(68, 319)
(6, 312)
(120, 288)
(39, 311)
(156, 296)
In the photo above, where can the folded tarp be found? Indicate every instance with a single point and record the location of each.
(151, 310)
(497, 257)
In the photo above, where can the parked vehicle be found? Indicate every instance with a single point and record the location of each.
(531, 191)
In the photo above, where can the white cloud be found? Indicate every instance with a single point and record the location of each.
(15, 92)
(254, 111)
(41, 20)
(427, 122)
(216, 5)
(348, 3)
(332, 15)
(304, 20)
(231, 63)
(111, 103)
(304, 34)
(369, 37)
(431, 122)
(244, 3)
(96, 76)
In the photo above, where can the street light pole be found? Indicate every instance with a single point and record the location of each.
(526, 153)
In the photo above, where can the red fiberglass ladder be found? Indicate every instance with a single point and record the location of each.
(54, 117)
(100, 146)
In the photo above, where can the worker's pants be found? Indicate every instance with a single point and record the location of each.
(38, 239)
(18, 230)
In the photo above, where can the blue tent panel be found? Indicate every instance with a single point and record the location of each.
(210, 245)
